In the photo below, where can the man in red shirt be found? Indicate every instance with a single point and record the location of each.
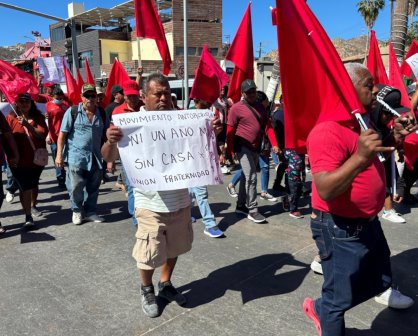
(348, 191)
(55, 110)
(247, 123)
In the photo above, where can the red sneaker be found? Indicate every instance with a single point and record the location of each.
(308, 308)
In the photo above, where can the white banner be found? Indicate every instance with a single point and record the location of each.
(52, 69)
(167, 150)
(413, 63)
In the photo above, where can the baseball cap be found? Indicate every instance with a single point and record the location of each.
(116, 89)
(130, 87)
(49, 84)
(247, 85)
(88, 87)
(391, 96)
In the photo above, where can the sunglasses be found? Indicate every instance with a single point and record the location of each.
(90, 95)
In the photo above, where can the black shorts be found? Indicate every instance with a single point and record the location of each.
(221, 137)
(27, 178)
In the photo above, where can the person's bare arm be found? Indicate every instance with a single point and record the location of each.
(59, 161)
(334, 183)
(110, 150)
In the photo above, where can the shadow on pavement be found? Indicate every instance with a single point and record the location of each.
(255, 278)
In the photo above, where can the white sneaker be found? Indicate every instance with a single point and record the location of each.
(394, 299)
(393, 216)
(268, 197)
(225, 170)
(77, 218)
(94, 218)
(316, 266)
(9, 197)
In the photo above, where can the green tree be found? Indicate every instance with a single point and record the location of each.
(369, 10)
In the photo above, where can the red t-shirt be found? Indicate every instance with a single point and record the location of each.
(54, 114)
(124, 108)
(330, 144)
(23, 145)
(248, 127)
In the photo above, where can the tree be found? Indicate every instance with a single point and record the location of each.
(369, 10)
(400, 26)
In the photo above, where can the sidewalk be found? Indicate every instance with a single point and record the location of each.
(63, 279)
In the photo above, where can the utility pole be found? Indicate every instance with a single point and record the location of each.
(260, 50)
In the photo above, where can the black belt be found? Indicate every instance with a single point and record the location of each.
(347, 220)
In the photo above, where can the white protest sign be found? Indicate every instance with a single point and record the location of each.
(168, 150)
(5, 108)
(413, 63)
(52, 69)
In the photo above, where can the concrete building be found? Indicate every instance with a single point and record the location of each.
(103, 34)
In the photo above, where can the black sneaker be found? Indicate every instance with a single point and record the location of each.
(167, 291)
(242, 209)
(28, 222)
(256, 217)
(149, 301)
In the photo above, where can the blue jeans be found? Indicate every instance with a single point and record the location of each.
(355, 259)
(83, 187)
(131, 198)
(201, 196)
(59, 172)
(11, 185)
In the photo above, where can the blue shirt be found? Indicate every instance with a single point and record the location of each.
(83, 140)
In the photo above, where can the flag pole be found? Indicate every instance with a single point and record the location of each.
(185, 48)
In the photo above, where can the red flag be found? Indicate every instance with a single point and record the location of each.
(80, 81)
(405, 68)
(89, 75)
(73, 91)
(242, 55)
(375, 62)
(14, 81)
(209, 78)
(148, 25)
(314, 70)
(396, 79)
(117, 75)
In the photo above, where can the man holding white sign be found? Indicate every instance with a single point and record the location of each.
(164, 220)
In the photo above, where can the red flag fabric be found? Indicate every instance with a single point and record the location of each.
(242, 55)
(209, 78)
(117, 75)
(89, 75)
(14, 81)
(80, 81)
(313, 70)
(375, 62)
(396, 79)
(73, 90)
(405, 68)
(148, 25)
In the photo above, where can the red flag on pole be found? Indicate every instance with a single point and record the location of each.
(375, 62)
(117, 75)
(14, 81)
(89, 75)
(80, 81)
(395, 77)
(314, 70)
(209, 78)
(242, 55)
(73, 90)
(405, 68)
(148, 25)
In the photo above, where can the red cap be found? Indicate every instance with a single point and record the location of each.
(49, 84)
(130, 87)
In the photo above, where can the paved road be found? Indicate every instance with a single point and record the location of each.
(63, 279)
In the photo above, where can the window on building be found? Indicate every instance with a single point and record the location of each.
(179, 51)
(112, 56)
(199, 51)
(57, 34)
(85, 54)
(191, 51)
(214, 51)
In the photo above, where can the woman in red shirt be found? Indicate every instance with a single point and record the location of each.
(26, 173)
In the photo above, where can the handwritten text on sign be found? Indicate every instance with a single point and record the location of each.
(166, 150)
(413, 63)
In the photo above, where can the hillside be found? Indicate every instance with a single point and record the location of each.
(12, 52)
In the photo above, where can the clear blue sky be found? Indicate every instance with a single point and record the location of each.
(339, 18)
